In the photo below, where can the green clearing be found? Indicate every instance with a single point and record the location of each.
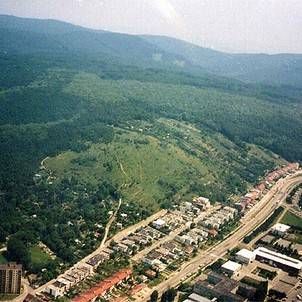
(38, 256)
(292, 220)
(166, 160)
(2, 259)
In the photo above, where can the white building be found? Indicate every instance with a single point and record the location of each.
(159, 223)
(282, 261)
(197, 298)
(245, 256)
(280, 229)
(231, 267)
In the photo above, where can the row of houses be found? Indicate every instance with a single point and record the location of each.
(219, 218)
(188, 240)
(256, 193)
(104, 287)
(72, 277)
(172, 221)
(158, 259)
(197, 205)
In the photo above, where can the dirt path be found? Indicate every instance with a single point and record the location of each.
(98, 250)
(108, 225)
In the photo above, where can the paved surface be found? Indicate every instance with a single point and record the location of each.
(252, 219)
(106, 243)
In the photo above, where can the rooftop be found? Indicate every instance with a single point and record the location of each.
(160, 222)
(11, 265)
(102, 287)
(277, 257)
(231, 266)
(280, 227)
(197, 298)
(246, 254)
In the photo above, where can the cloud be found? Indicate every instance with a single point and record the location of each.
(166, 9)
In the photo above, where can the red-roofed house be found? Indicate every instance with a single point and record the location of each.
(104, 286)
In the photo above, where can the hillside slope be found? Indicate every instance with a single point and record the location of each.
(280, 69)
(31, 36)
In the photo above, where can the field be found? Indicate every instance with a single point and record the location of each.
(153, 163)
(38, 257)
(292, 220)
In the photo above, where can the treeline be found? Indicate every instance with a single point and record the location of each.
(264, 226)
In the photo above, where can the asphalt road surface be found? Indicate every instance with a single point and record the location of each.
(251, 220)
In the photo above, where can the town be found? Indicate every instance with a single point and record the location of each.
(266, 262)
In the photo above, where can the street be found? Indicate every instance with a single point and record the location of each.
(251, 220)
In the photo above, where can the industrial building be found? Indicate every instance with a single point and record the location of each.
(219, 287)
(280, 229)
(284, 262)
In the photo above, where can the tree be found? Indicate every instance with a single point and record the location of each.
(18, 251)
(169, 295)
(154, 296)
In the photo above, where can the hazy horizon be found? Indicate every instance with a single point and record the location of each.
(241, 26)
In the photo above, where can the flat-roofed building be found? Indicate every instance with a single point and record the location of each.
(284, 262)
(231, 267)
(198, 298)
(280, 229)
(223, 290)
(245, 256)
(10, 278)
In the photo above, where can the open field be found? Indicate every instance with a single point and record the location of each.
(167, 160)
(38, 257)
(292, 220)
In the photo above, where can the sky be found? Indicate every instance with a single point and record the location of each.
(258, 26)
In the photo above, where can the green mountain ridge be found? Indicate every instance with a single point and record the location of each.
(147, 51)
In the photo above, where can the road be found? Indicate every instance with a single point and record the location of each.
(167, 238)
(252, 219)
(106, 243)
(101, 246)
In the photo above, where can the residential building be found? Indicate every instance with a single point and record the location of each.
(10, 278)
(159, 223)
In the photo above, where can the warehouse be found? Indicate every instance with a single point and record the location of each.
(245, 256)
(284, 262)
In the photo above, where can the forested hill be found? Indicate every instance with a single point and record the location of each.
(28, 36)
(280, 69)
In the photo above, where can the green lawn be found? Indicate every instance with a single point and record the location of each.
(38, 256)
(292, 220)
(2, 259)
